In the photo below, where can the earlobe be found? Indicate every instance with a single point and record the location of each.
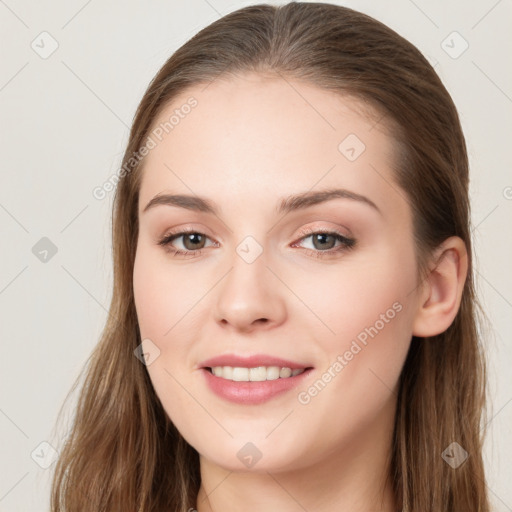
(441, 295)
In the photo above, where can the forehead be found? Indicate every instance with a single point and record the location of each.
(254, 135)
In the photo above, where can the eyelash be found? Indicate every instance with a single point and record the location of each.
(347, 243)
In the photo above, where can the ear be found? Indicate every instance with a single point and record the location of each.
(440, 297)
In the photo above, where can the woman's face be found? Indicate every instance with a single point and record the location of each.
(261, 279)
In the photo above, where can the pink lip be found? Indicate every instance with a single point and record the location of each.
(250, 362)
(251, 393)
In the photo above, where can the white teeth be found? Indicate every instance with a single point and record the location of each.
(257, 374)
(226, 372)
(239, 374)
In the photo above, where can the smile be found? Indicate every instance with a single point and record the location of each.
(268, 383)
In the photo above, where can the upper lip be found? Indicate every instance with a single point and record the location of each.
(251, 361)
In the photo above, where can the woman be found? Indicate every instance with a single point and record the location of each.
(293, 321)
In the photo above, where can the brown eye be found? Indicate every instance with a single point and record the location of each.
(193, 241)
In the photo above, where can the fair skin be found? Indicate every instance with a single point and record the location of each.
(250, 142)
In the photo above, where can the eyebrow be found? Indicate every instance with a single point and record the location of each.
(286, 205)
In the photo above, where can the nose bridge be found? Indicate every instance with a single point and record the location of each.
(249, 292)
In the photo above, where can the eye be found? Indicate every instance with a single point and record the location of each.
(323, 242)
(193, 242)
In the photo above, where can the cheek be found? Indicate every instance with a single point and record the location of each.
(360, 295)
(163, 295)
(162, 307)
(371, 313)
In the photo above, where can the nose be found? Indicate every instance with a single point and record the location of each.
(250, 296)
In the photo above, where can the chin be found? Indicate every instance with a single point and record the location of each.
(253, 457)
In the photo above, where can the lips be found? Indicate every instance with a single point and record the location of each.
(252, 361)
(253, 392)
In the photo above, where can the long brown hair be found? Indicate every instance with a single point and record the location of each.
(123, 453)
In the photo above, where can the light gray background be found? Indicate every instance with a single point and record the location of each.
(64, 123)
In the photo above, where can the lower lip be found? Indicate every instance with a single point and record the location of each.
(251, 393)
